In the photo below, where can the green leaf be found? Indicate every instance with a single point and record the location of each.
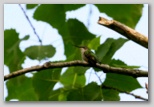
(20, 88)
(54, 95)
(78, 32)
(25, 38)
(75, 95)
(121, 82)
(106, 51)
(71, 7)
(93, 92)
(80, 70)
(119, 63)
(58, 95)
(62, 96)
(71, 79)
(94, 43)
(128, 14)
(54, 14)
(110, 95)
(72, 31)
(13, 56)
(40, 52)
(44, 81)
(31, 6)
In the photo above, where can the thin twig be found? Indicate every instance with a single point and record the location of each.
(125, 31)
(30, 24)
(98, 78)
(104, 67)
(136, 96)
(129, 93)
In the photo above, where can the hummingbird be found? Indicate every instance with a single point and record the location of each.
(88, 55)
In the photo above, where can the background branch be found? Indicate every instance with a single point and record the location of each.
(125, 31)
(30, 24)
(105, 68)
(129, 93)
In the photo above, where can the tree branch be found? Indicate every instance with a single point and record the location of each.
(136, 96)
(125, 31)
(51, 65)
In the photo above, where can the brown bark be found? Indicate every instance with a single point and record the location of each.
(104, 67)
(125, 31)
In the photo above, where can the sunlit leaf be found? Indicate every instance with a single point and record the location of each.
(58, 95)
(71, 79)
(94, 43)
(40, 52)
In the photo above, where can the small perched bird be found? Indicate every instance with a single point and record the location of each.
(88, 55)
